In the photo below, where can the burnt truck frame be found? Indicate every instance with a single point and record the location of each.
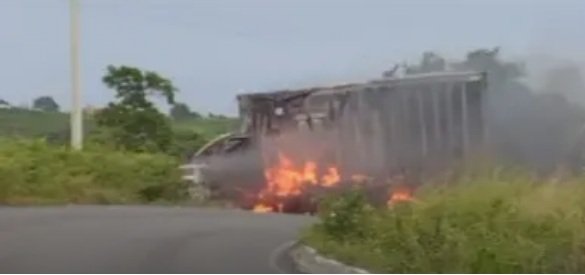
(414, 124)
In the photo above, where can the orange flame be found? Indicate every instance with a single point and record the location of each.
(261, 208)
(359, 178)
(285, 179)
(400, 194)
(331, 178)
(310, 172)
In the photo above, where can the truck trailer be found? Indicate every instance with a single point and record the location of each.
(410, 125)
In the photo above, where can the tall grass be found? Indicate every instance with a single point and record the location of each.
(498, 222)
(34, 172)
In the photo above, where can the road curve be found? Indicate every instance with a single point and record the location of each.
(136, 239)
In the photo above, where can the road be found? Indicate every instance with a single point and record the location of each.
(135, 239)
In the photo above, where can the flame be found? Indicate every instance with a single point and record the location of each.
(359, 178)
(400, 194)
(310, 172)
(286, 179)
(331, 178)
(262, 208)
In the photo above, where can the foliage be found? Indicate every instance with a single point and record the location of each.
(33, 172)
(208, 128)
(188, 135)
(133, 120)
(498, 222)
(45, 104)
(31, 123)
(132, 85)
(185, 143)
(181, 111)
(344, 216)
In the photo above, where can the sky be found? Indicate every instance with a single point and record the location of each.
(215, 49)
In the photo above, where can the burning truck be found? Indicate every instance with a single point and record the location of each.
(295, 146)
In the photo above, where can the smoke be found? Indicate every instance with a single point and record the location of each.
(536, 119)
(532, 111)
(237, 175)
(550, 75)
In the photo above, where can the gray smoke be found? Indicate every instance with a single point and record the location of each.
(534, 118)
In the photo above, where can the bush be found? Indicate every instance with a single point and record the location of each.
(505, 223)
(35, 172)
(185, 143)
(345, 216)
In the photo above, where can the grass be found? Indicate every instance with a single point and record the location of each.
(499, 222)
(22, 122)
(54, 126)
(207, 127)
(37, 168)
(34, 172)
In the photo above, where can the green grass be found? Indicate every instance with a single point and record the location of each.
(55, 125)
(500, 222)
(37, 168)
(22, 122)
(207, 127)
(34, 172)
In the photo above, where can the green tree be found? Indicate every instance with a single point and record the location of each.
(46, 104)
(132, 120)
(181, 111)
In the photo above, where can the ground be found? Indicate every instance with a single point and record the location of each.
(139, 239)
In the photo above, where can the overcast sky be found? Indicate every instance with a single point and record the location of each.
(214, 49)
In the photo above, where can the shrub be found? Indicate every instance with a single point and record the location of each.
(506, 223)
(345, 215)
(185, 143)
(31, 171)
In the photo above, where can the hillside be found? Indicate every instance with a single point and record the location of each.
(30, 123)
(55, 125)
(207, 127)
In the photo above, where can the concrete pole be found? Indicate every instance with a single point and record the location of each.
(76, 109)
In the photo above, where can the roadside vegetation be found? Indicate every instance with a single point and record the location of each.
(34, 172)
(498, 222)
(132, 150)
(485, 220)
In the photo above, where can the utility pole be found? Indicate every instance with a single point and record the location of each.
(76, 109)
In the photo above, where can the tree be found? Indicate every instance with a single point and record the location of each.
(46, 104)
(132, 120)
(185, 143)
(4, 104)
(216, 116)
(181, 111)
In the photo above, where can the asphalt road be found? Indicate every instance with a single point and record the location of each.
(121, 239)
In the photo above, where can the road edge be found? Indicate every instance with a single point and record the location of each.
(308, 260)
